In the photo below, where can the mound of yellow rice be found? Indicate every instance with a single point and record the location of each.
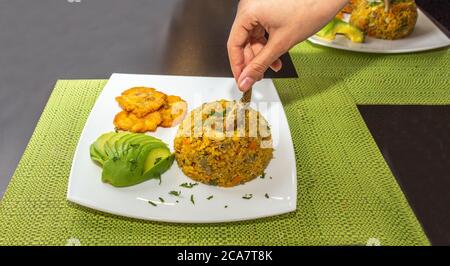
(398, 22)
(223, 143)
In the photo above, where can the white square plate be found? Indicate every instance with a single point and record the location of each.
(426, 36)
(280, 183)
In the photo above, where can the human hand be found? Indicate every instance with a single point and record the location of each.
(287, 22)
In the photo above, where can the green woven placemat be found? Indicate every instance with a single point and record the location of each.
(346, 193)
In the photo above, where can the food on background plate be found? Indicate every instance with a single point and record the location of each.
(370, 17)
(350, 6)
(144, 109)
(337, 26)
(223, 143)
(129, 158)
(396, 23)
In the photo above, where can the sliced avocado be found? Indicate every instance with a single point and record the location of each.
(109, 147)
(159, 168)
(99, 144)
(147, 150)
(122, 171)
(122, 143)
(128, 170)
(349, 31)
(145, 146)
(130, 158)
(154, 157)
(95, 156)
(135, 138)
(138, 138)
(337, 26)
(327, 32)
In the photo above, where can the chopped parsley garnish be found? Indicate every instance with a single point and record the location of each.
(210, 197)
(247, 196)
(192, 199)
(152, 203)
(177, 201)
(188, 185)
(161, 199)
(226, 206)
(157, 160)
(270, 177)
(175, 193)
(263, 175)
(133, 163)
(266, 195)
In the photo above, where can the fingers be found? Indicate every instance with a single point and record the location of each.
(258, 46)
(255, 69)
(277, 65)
(249, 62)
(248, 54)
(237, 40)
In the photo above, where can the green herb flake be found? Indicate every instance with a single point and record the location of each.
(161, 199)
(175, 193)
(188, 185)
(192, 199)
(247, 196)
(152, 203)
(266, 195)
(210, 197)
(177, 201)
(263, 175)
(133, 164)
(157, 160)
(226, 206)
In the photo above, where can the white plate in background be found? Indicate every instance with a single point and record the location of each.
(426, 36)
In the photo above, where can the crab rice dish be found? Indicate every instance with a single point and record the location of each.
(223, 143)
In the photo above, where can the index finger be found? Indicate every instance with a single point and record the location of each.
(239, 35)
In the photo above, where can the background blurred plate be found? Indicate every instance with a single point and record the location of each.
(426, 36)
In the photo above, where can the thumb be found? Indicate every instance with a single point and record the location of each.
(254, 70)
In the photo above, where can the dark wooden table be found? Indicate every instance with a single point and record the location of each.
(42, 41)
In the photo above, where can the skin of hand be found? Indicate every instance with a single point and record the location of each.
(287, 23)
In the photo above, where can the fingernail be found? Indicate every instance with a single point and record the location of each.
(277, 67)
(246, 83)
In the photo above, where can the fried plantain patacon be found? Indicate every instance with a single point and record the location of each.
(141, 100)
